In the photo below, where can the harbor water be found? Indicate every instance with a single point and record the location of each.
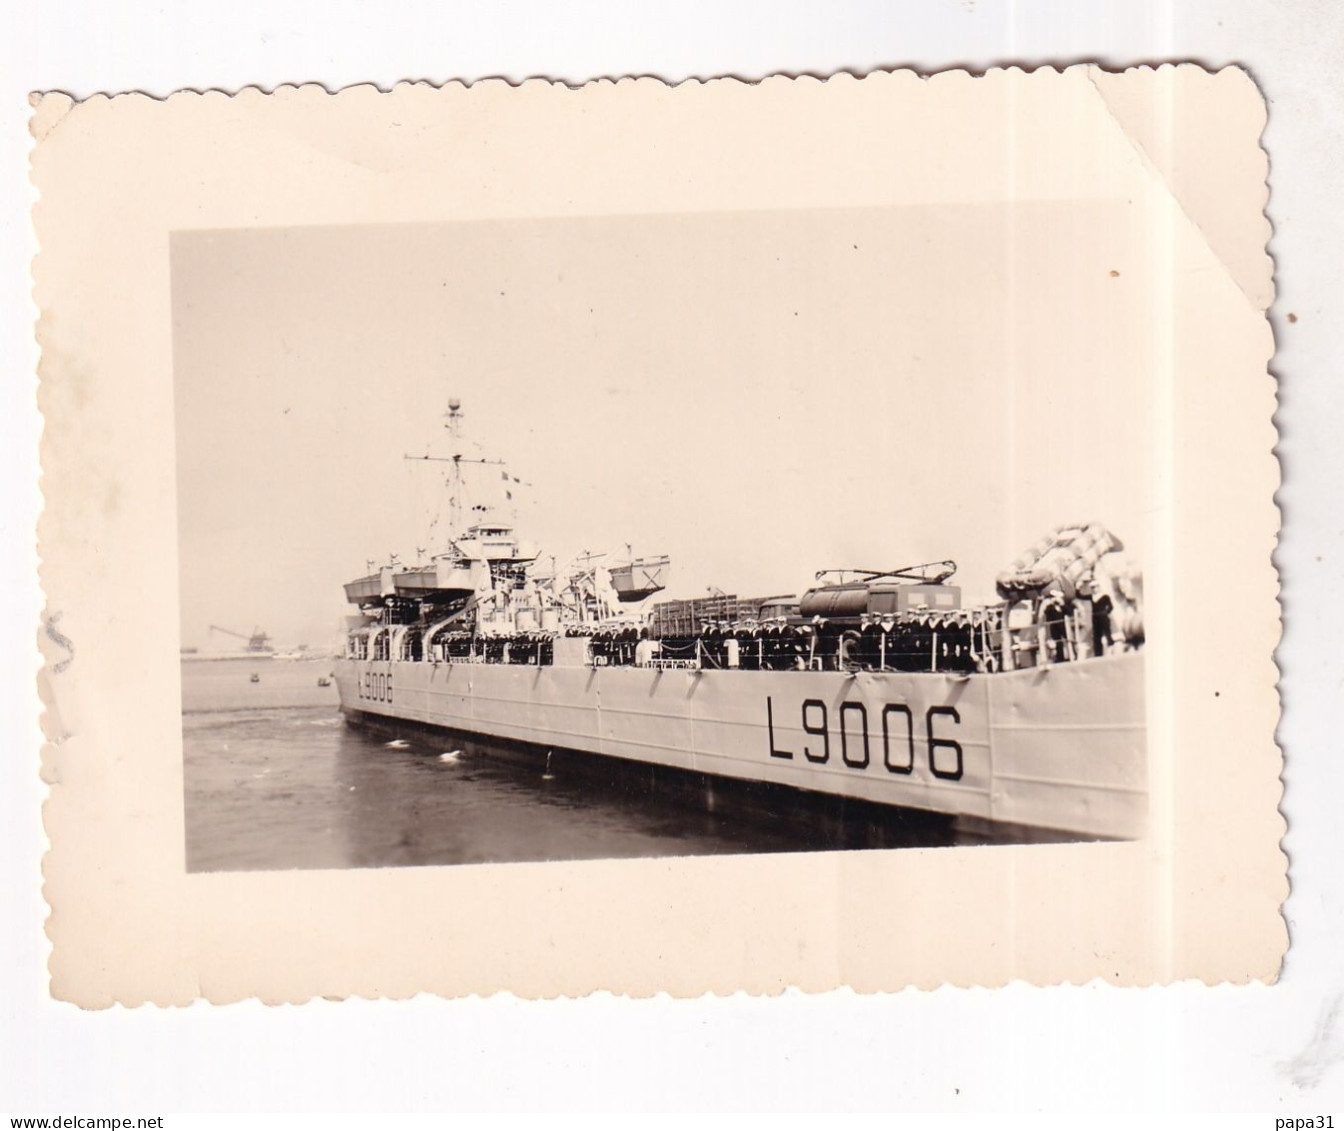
(276, 779)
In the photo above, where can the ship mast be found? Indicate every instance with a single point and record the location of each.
(455, 481)
(452, 423)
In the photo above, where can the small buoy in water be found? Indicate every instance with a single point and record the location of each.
(548, 776)
(397, 744)
(450, 756)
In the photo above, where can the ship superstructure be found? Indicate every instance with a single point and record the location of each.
(871, 683)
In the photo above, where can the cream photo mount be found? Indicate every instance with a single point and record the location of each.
(1162, 165)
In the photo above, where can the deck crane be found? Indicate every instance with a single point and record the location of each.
(929, 573)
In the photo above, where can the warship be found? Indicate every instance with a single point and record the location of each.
(875, 685)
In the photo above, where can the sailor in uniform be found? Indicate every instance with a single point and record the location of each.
(870, 648)
(801, 644)
(1102, 606)
(770, 646)
(748, 648)
(1055, 615)
(922, 638)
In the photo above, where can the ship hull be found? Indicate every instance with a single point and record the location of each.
(1061, 748)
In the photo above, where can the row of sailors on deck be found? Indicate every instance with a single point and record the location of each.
(959, 641)
(516, 648)
(925, 641)
(617, 645)
(1051, 629)
(1031, 633)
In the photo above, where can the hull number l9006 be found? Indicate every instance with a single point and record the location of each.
(857, 737)
(375, 686)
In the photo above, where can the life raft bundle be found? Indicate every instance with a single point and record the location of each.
(1061, 559)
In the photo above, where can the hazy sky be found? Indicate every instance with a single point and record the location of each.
(758, 395)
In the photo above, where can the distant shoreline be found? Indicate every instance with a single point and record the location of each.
(202, 657)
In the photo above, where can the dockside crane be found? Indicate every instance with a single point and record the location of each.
(257, 641)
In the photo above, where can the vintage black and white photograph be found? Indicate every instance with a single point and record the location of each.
(644, 538)
(657, 536)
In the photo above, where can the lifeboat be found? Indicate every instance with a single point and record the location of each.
(440, 581)
(371, 590)
(640, 578)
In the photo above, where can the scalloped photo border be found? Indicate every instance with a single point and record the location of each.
(1199, 898)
